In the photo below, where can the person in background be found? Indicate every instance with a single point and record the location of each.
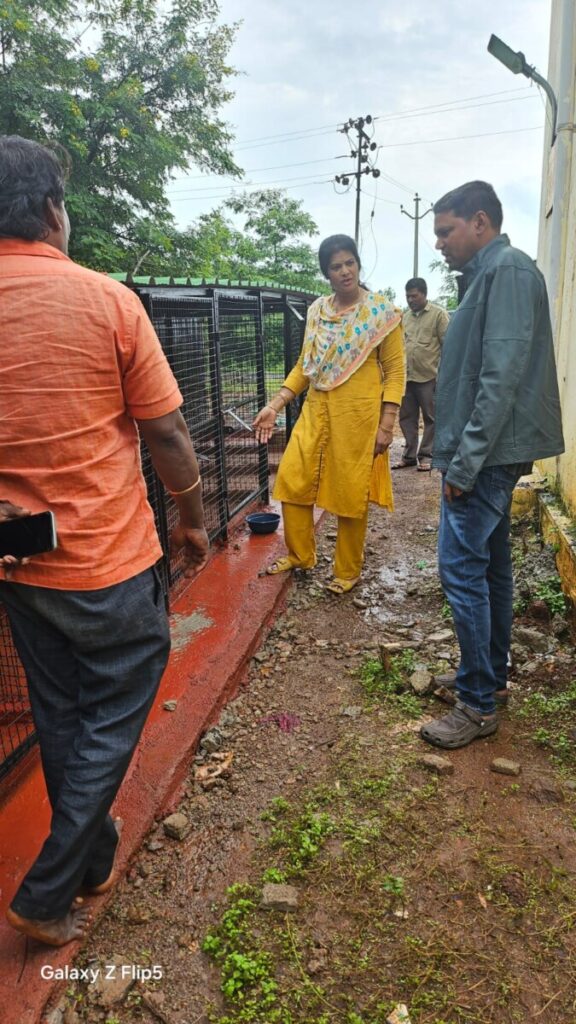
(497, 410)
(82, 374)
(352, 366)
(425, 325)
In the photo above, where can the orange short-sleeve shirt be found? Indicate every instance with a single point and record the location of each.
(79, 362)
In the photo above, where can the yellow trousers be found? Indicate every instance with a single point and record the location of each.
(301, 540)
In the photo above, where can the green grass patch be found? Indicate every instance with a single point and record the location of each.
(390, 687)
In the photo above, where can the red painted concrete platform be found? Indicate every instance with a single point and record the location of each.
(216, 624)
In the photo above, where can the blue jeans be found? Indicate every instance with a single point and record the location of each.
(93, 662)
(476, 574)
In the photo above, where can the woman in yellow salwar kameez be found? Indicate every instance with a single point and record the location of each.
(352, 363)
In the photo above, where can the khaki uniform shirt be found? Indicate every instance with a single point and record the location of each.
(423, 336)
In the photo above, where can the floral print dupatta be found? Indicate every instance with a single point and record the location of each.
(336, 344)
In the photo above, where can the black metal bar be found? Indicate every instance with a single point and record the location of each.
(263, 468)
(216, 381)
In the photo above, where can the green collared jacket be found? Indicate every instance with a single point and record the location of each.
(497, 398)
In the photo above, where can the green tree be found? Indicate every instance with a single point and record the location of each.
(132, 90)
(278, 227)
(448, 294)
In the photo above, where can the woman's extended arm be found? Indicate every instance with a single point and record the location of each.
(296, 382)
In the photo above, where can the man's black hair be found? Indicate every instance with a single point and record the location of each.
(468, 199)
(418, 283)
(29, 175)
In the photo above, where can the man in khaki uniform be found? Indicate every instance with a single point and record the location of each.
(424, 327)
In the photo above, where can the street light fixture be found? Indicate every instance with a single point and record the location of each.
(517, 64)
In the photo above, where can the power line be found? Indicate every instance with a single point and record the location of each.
(265, 185)
(255, 170)
(448, 106)
(457, 138)
(254, 188)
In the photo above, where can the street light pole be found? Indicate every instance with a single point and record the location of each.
(516, 62)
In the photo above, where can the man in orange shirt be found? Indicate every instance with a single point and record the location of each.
(82, 373)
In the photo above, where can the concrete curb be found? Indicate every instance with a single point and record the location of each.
(557, 528)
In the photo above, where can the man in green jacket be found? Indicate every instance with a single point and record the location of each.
(497, 410)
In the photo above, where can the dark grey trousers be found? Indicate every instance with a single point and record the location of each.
(419, 398)
(93, 662)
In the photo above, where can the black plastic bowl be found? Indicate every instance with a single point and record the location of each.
(263, 522)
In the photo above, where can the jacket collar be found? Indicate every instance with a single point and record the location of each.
(480, 259)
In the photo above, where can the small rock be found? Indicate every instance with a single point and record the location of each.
(435, 763)
(113, 985)
(532, 638)
(359, 603)
(399, 1015)
(546, 791)
(539, 610)
(138, 913)
(530, 667)
(503, 766)
(212, 740)
(70, 1016)
(56, 1016)
(176, 826)
(560, 626)
(154, 846)
(261, 656)
(351, 712)
(279, 897)
(170, 705)
(441, 636)
(421, 681)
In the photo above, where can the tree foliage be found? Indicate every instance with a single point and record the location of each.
(132, 89)
(448, 294)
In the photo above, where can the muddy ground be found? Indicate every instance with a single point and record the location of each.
(449, 894)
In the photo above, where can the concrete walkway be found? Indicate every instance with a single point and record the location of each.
(216, 626)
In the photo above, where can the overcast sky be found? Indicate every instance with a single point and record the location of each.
(421, 69)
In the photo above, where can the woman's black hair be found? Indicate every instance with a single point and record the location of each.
(29, 175)
(335, 243)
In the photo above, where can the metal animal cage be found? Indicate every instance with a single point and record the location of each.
(230, 349)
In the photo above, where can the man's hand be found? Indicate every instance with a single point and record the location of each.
(383, 440)
(10, 511)
(195, 546)
(451, 492)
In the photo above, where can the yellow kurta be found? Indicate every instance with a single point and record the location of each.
(329, 460)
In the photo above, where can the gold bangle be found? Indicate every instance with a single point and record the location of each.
(274, 409)
(176, 494)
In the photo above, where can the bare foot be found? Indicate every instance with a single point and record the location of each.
(99, 890)
(56, 932)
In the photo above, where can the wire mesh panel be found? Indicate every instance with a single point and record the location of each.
(16, 728)
(229, 350)
(239, 344)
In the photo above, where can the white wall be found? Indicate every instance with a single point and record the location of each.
(557, 240)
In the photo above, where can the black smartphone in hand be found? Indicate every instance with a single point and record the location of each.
(28, 535)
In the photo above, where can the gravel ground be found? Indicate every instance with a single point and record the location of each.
(449, 893)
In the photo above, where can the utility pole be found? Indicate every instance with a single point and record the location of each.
(364, 146)
(416, 217)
